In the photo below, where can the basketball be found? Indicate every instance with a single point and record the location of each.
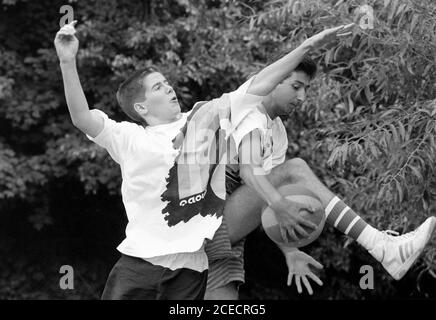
(298, 194)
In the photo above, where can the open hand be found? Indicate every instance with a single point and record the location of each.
(298, 265)
(66, 43)
(329, 35)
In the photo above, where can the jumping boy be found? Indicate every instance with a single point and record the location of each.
(173, 185)
(262, 135)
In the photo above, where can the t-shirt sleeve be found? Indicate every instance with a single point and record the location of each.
(241, 103)
(254, 120)
(115, 136)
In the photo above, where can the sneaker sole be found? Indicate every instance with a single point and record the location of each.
(402, 270)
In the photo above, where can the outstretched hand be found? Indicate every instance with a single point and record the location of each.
(329, 35)
(66, 43)
(298, 265)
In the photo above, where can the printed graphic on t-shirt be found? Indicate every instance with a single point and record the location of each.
(196, 182)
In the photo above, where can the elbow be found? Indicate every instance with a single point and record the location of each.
(76, 122)
(259, 89)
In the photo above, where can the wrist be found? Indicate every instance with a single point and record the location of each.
(307, 46)
(276, 203)
(65, 63)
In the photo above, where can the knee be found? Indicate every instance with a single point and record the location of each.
(297, 164)
(293, 166)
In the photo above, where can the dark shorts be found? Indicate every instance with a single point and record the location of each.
(136, 279)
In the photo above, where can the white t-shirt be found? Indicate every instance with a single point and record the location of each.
(146, 156)
(247, 117)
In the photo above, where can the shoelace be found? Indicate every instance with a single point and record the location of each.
(391, 233)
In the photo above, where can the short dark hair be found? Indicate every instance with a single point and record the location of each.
(307, 65)
(131, 91)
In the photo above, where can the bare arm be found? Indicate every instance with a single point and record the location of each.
(269, 77)
(286, 211)
(66, 47)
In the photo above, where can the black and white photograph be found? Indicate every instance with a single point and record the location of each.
(231, 152)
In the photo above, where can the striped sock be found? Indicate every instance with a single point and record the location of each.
(339, 215)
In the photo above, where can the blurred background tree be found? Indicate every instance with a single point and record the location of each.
(367, 129)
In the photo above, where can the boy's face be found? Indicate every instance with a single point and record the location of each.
(160, 98)
(290, 93)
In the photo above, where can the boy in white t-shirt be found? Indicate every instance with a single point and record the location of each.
(173, 170)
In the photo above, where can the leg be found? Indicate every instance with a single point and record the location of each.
(226, 266)
(243, 208)
(396, 254)
(242, 214)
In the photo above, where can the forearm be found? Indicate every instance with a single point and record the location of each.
(269, 77)
(76, 100)
(260, 184)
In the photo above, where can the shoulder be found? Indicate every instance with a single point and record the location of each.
(124, 126)
(279, 125)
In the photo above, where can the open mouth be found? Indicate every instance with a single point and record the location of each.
(174, 99)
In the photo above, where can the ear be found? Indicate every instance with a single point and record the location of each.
(140, 108)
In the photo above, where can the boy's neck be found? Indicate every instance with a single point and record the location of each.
(152, 121)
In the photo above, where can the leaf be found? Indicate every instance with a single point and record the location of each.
(388, 113)
(392, 10)
(399, 190)
(368, 93)
(381, 192)
(386, 3)
(417, 174)
(374, 150)
(332, 159)
(394, 133)
(344, 151)
(350, 104)
(409, 68)
(251, 24)
(400, 9)
(415, 19)
(402, 131)
(328, 56)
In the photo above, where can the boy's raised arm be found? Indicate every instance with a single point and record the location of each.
(67, 45)
(269, 77)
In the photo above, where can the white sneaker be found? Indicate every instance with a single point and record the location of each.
(398, 253)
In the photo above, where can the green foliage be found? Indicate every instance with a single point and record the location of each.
(367, 129)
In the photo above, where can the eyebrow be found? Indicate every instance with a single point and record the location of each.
(160, 82)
